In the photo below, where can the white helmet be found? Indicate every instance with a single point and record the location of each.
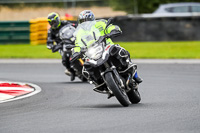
(86, 15)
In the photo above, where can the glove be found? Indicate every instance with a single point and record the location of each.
(55, 48)
(101, 38)
(50, 46)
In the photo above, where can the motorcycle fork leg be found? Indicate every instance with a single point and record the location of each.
(81, 61)
(117, 76)
(114, 71)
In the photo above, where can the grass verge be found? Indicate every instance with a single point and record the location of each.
(26, 51)
(163, 50)
(153, 50)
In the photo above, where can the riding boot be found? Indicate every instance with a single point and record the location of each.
(67, 72)
(137, 78)
(73, 74)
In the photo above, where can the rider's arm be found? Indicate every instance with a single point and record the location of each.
(113, 30)
(77, 48)
(75, 52)
(77, 37)
(49, 40)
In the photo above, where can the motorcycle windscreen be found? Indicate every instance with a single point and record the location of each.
(88, 39)
(87, 34)
(66, 32)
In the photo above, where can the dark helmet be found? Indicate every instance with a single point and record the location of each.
(86, 15)
(54, 20)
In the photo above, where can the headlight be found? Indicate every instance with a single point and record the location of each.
(94, 52)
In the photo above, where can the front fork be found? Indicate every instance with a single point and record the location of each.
(130, 83)
(114, 71)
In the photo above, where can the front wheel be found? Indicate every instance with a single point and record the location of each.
(119, 93)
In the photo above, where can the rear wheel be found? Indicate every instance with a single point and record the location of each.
(134, 96)
(82, 78)
(119, 93)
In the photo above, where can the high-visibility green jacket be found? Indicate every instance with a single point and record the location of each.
(91, 26)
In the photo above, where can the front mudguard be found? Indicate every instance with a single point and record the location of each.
(116, 76)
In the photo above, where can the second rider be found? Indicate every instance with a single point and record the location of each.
(53, 37)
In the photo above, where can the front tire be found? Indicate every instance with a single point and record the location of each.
(118, 92)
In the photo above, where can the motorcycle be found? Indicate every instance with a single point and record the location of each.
(66, 46)
(107, 66)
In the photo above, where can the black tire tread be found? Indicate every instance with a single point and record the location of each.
(115, 89)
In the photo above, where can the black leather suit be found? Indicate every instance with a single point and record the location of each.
(53, 36)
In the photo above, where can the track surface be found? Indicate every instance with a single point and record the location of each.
(170, 102)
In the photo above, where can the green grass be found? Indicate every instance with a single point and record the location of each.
(26, 51)
(162, 50)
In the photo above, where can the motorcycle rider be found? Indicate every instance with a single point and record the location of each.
(53, 36)
(88, 15)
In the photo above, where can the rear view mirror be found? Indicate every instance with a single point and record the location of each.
(110, 20)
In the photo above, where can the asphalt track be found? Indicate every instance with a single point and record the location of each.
(170, 102)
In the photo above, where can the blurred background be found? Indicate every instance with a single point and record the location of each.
(25, 21)
(30, 9)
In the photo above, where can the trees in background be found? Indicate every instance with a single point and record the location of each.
(54, 3)
(141, 6)
(129, 6)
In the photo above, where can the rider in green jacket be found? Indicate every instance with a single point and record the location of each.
(87, 15)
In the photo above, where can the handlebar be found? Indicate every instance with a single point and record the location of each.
(56, 48)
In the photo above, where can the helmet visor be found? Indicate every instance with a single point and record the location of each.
(54, 23)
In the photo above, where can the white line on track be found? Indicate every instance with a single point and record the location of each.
(37, 90)
(167, 61)
(5, 96)
(21, 61)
